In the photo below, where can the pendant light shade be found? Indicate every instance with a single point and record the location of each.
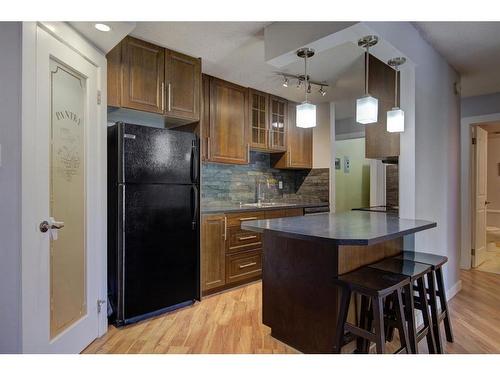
(396, 116)
(367, 110)
(306, 112)
(367, 106)
(396, 120)
(306, 115)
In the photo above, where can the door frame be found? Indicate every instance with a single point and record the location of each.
(466, 181)
(66, 35)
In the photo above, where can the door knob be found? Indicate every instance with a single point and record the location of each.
(51, 224)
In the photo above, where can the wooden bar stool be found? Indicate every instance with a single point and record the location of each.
(436, 276)
(373, 286)
(417, 273)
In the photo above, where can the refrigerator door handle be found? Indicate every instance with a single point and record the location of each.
(194, 162)
(194, 216)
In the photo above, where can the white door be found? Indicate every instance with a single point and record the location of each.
(480, 168)
(62, 276)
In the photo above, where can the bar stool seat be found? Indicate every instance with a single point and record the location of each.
(373, 286)
(416, 273)
(436, 289)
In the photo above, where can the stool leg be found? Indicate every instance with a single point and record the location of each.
(444, 305)
(378, 316)
(410, 317)
(434, 313)
(400, 318)
(422, 295)
(369, 325)
(342, 317)
(389, 307)
(363, 324)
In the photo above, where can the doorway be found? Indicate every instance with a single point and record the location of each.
(63, 192)
(485, 199)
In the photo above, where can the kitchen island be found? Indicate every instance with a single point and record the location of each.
(301, 257)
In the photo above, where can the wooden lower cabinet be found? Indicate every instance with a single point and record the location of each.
(230, 255)
(213, 269)
(243, 266)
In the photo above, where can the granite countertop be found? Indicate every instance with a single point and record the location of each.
(235, 207)
(348, 228)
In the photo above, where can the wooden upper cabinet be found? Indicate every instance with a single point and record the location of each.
(143, 76)
(183, 82)
(114, 76)
(213, 258)
(228, 130)
(205, 116)
(379, 143)
(258, 118)
(278, 117)
(299, 145)
(150, 78)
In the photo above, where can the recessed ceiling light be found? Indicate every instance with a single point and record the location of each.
(102, 27)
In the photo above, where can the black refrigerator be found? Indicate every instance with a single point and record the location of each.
(153, 221)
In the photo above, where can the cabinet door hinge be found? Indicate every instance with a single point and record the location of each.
(100, 302)
(99, 97)
(473, 141)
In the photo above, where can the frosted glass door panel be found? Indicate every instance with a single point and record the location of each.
(67, 198)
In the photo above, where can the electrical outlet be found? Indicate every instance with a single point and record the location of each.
(347, 164)
(280, 185)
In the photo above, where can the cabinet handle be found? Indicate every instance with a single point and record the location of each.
(248, 265)
(208, 148)
(169, 97)
(225, 228)
(248, 152)
(248, 218)
(162, 96)
(246, 238)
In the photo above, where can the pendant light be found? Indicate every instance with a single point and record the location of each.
(396, 116)
(367, 106)
(306, 112)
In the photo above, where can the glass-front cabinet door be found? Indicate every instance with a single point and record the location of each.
(259, 104)
(277, 123)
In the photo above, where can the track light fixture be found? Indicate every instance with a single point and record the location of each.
(285, 81)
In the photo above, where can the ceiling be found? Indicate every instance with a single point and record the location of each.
(234, 51)
(472, 48)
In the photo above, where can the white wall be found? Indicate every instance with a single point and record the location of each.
(10, 187)
(480, 105)
(437, 144)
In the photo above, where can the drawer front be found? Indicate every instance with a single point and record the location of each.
(243, 266)
(274, 214)
(241, 240)
(295, 212)
(235, 219)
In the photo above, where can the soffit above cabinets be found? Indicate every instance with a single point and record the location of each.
(105, 41)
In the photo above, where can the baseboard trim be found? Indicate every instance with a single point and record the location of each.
(451, 292)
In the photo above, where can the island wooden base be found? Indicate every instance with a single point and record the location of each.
(299, 299)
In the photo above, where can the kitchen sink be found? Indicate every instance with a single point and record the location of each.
(267, 204)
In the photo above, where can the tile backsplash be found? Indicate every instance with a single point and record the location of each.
(228, 183)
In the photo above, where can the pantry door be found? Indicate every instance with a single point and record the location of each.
(62, 260)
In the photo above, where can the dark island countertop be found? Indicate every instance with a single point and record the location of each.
(235, 207)
(348, 228)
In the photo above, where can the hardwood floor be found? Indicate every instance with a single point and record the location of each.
(230, 322)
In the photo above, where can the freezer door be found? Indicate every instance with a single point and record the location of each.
(160, 248)
(154, 155)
